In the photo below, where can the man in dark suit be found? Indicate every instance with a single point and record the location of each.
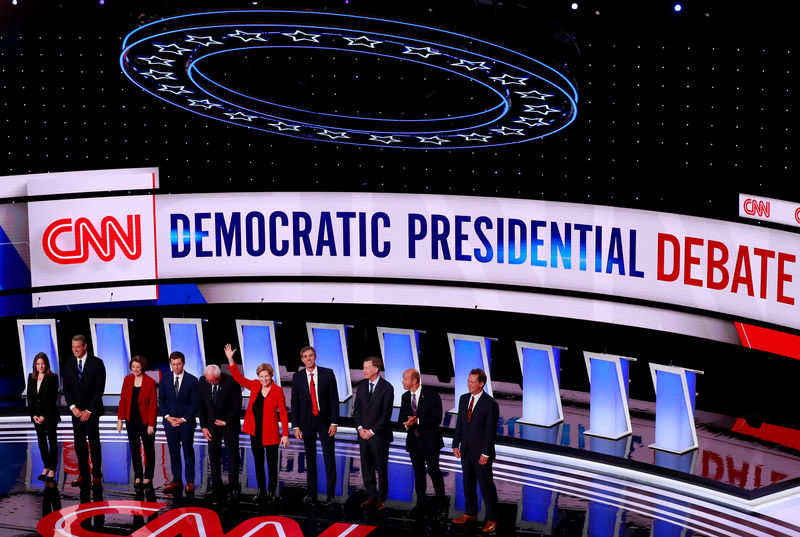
(84, 381)
(473, 443)
(372, 413)
(421, 415)
(177, 401)
(315, 411)
(220, 407)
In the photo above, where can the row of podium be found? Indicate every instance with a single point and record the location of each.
(540, 364)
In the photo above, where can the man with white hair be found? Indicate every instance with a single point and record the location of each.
(219, 409)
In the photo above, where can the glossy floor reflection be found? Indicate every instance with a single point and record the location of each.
(536, 498)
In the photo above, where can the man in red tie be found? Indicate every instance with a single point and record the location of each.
(473, 443)
(315, 411)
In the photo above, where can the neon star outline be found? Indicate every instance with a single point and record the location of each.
(302, 36)
(534, 94)
(362, 41)
(204, 103)
(254, 36)
(333, 135)
(537, 109)
(471, 66)
(281, 126)
(508, 131)
(416, 50)
(475, 137)
(159, 75)
(177, 90)
(151, 60)
(531, 121)
(240, 115)
(204, 40)
(383, 139)
(432, 140)
(178, 50)
(507, 79)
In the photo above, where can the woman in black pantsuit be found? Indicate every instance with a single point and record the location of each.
(43, 405)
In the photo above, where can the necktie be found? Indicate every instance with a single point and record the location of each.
(414, 411)
(469, 410)
(371, 388)
(177, 386)
(214, 392)
(313, 389)
(80, 369)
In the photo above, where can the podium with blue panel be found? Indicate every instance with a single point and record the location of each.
(675, 405)
(35, 336)
(541, 395)
(468, 353)
(400, 351)
(111, 342)
(257, 346)
(609, 415)
(330, 342)
(186, 336)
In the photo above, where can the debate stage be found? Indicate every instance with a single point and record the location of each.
(551, 481)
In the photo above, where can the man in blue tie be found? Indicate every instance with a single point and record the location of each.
(178, 404)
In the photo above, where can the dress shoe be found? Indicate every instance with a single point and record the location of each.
(380, 506)
(489, 527)
(175, 486)
(189, 488)
(371, 502)
(80, 481)
(308, 499)
(137, 485)
(50, 479)
(465, 519)
(329, 502)
(42, 477)
(97, 482)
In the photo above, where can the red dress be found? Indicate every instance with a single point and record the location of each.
(274, 405)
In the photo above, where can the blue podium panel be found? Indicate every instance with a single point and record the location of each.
(609, 416)
(541, 395)
(400, 351)
(330, 342)
(604, 520)
(401, 482)
(257, 346)
(111, 342)
(468, 353)
(675, 404)
(186, 336)
(538, 509)
(35, 336)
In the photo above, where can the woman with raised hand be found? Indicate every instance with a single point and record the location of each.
(267, 404)
(42, 397)
(138, 406)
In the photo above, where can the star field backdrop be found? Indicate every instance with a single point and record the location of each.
(677, 112)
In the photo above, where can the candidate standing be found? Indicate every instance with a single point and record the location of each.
(42, 395)
(178, 404)
(84, 383)
(315, 412)
(421, 415)
(138, 407)
(266, 408)
(473, 443)
(372, 414)
(219, 408)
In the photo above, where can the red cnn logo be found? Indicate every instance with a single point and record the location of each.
(756, 207)
(102, 241)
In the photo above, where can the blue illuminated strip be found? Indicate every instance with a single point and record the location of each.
(529, 90)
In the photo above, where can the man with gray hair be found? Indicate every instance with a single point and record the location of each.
(219, 410)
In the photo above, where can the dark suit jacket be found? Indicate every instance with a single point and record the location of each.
(477, 437)
(375, 412)
(183, 405)
(328, 400)
(227, 407)
(86, 394)
(429, 413)
(43, 402)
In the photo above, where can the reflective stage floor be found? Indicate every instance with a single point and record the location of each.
(541, 493)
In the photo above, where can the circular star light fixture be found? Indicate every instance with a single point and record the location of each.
(230, 66)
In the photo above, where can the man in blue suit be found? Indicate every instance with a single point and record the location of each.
(315, 411)
(473, 443)
(177, 401)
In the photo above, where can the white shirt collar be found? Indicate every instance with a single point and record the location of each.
(477, 396)
(179, 377)
(312, 372)
(83, 357)
(416, 392)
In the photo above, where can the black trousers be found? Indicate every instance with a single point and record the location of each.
(272, 464)
(476, 474)
(82, 432)
(375, 457)
(138, 438)
(328, 444)
(231, 436)
(419, 460)
(47, 435)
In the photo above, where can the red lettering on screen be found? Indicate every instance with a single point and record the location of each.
(102, 241)
(756, 207)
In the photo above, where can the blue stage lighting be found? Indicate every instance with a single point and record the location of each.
(677, 8)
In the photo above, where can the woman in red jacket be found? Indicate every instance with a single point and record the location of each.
(267, 402)
(138, 406)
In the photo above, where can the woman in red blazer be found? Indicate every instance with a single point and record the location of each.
(267, 402)
(138, 405)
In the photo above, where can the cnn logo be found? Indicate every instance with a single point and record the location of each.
(755, 207)
(84, 237)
